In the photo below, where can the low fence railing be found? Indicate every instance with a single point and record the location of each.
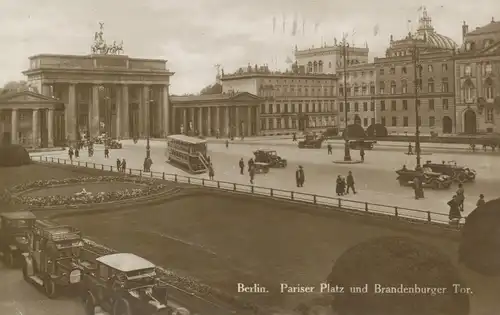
(334, 202)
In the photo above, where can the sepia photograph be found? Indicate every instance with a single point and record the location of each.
(279, 157)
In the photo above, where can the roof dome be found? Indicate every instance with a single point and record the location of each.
(427, 33)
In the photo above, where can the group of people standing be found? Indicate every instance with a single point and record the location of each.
(251, 168)
(79, 146)
(344, 184)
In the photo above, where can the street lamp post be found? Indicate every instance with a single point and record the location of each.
(347, 152)
(148, 128)
(417, 74)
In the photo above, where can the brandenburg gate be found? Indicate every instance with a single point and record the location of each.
(106, 91)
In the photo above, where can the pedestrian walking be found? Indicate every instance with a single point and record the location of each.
(251, 173)
(106, 153)
(242, 166)
(454, 215)
(339, 187)
(250, 163)
(124, 166)
(410, 149)
(70, 153)
(460, 196)
(329, 147)
(294, 137)
(417, 187)
(77, 152)
(350, 183)
(227, 144)
(211, 172)
(300, 177)
(362, 154)
(118, 165)
(481, 201)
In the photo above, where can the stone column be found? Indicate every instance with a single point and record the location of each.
(226, 120)
(124, 104)
(257, 121)
(217, 120)
(275, 123)
(35, 128)
(94, 112)
(165, 109)
(119, 110)
(249, 120)
(145, 100)
(200, 120)
(289, 122)
(13, 126)
(50, 127)
(191, 119)
(209, 121)
(172, 127)
(185, 124)
(70, 114)
(237, 121)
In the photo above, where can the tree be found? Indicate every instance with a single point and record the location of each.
(14, 86)
(211, 89)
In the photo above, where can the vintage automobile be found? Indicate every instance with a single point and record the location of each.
(457, 173)
(358, 144)
(113, 144)
(311, 142)
(52, 260)
(261, 168)
(14, 227)
(429, 179)
(270, 157)
(124, 283)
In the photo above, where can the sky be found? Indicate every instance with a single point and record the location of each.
(195, 35)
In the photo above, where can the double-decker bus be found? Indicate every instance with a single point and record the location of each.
(187, 152)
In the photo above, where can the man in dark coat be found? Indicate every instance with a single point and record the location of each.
(350, 183)
(300, 176)
(362, 154)
(329, 147)
(242, 166)
(251, 173)
(250, 164)
(118, 165)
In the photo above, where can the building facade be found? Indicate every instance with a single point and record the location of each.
(477, 68)
(327, 59)
(395, 75)
(292, 101)
(361, 91)
(225, 114)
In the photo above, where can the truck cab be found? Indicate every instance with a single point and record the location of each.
(14, 228)
(52, 260)
(124, 283)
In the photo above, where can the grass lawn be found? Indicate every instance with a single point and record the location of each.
(224, 240)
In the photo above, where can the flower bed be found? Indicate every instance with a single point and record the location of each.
(149, 187)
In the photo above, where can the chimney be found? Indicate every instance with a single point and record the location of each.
(465, 30)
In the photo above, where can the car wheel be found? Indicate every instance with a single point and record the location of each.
(121, 307)
(50, 288)
(89, 304)
(435, 184)
(462, 178)
(10, 260)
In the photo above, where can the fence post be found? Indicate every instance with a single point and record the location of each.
(111, 168)
(78, 163)
(202, 182)
(175, 178)
(163, 176)
(291, 195)
(234, 187)
(340, 203)
(151, 172)
(189, 180)
(218, 184)
(366, 206)
(102, 167)
(130, 171)
(396, 214)
(315, 199)
(271, 192)
(86, 164)
(252, 189)
(429, 216)
(58, 162)
(94, 165)
(41, 158)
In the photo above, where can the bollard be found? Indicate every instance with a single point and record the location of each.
(218, 184)
(291, 195)
(94, 164)
(140, 173)
(57, 160)
(102, 167)
(175, 178)
(111, 168)
(252, 189)
(340, 203)
(79, 164)
(429, 216)
(130, 171)
(271, 192)
(64, 161)
(396, 214)
(366, 206)
(151, 174)
(314, 199)
(86, 164)
(189, 180)
(202, 182)
(234, 187)
(41, 158)
(163, 176)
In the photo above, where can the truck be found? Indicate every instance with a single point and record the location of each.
(124, 283)
(14, 228)
(52, 259)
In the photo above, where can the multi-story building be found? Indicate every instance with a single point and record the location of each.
(396, 96)
(292, 100)
(327, 59)
(361, 90)
(477, 68)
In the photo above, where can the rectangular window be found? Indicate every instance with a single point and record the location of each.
(263, 124)
(372, 106)
(278, 123)
(382, 106)
(445, 103)
(356, 107)
(365, 122)
(489, 115)
(444, 67)
(270, 108)
(347, 107)
(394, 106)
(432, 121)
(373, 121)
(431, 104)
(341, 107)
(394, 121)
(405, 104)
(285, 110)
(270, 123)
(372, 89)
(382, 71)
(405, 121)
(392, 70)
(382, 121)
(263, 108)
(365, 106)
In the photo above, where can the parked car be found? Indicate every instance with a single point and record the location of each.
(457, 173)
(358, 144)
(311, 142)
(14, 228)
(270, 157)
(261, 168)
(52, 260)
(114, 144)
(124, 283)
(429, 179)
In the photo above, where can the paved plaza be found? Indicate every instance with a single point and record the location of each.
(375, 179)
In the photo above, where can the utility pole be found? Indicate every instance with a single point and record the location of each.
(417, 73)
(345, 51)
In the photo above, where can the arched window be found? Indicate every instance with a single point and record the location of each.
(430, 85)
(381, 87)
(320, 66)
(393, 87)
(468, 90)
(404, 86)
(488, 90)
(309, 67)
(315, 67)
(444, 85)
